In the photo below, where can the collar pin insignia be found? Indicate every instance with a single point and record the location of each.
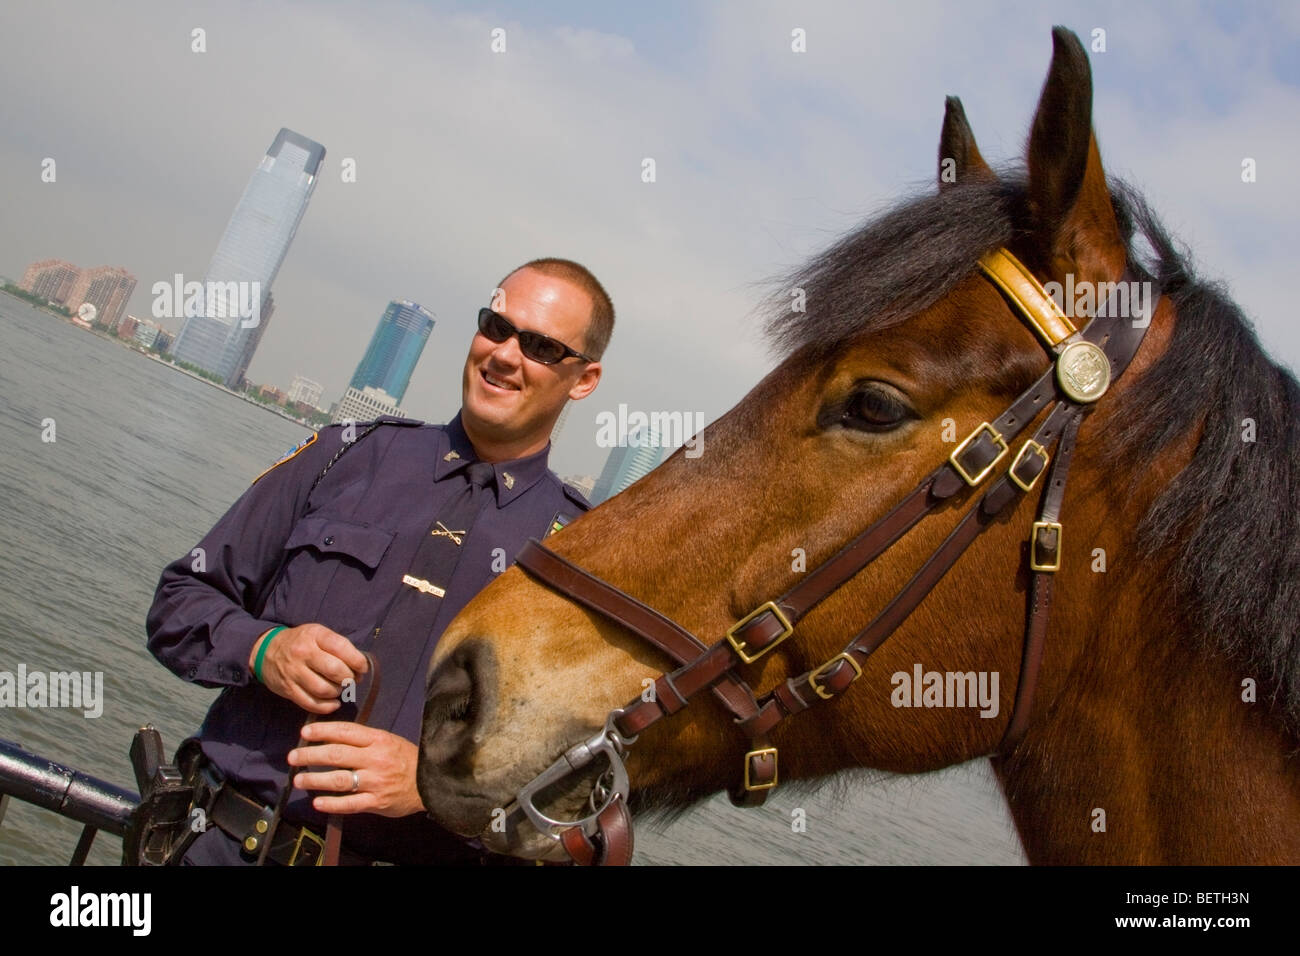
(443, 531)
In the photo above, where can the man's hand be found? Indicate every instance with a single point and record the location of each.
(383, 764)
(308, 664)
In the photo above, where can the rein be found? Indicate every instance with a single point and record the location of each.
(1084, 364)
(334, 823)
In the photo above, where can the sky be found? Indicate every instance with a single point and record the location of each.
(469, 161)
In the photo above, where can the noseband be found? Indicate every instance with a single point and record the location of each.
(1084, 364)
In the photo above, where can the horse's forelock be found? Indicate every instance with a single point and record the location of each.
(894, 267)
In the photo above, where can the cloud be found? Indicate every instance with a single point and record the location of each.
(470, 162)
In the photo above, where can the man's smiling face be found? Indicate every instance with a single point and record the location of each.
(510, 402)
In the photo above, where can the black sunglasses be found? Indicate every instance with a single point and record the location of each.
(534, 345)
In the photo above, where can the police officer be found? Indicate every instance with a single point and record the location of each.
(368, 539)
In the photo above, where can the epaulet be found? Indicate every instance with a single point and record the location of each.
(310, 439)
(393, 420)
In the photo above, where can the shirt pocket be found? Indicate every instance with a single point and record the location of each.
(363, 544)
(330, 572)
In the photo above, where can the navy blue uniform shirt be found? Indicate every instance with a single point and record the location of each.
(337, 557)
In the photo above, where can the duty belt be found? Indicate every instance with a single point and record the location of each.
(249, 821)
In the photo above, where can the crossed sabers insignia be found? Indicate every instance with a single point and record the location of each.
(442, 531)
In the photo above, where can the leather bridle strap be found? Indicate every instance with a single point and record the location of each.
(334, 823)
(613, 843)
(678, 644)
(1045, 559)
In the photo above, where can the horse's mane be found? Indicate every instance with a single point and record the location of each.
(1229, 524)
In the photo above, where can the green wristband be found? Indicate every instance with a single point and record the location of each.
(261, 652)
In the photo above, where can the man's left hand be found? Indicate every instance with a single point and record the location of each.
(380, 763)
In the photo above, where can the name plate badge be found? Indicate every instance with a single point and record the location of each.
(422, 585)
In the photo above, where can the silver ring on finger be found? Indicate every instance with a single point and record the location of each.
(356, 782)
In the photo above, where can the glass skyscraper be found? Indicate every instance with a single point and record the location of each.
(224, 325)
(394, 349)
(627, 463)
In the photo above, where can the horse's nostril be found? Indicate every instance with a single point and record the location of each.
(450, 688)
(459, 696)
(459, 707)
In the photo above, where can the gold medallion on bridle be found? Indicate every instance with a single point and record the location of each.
(1083, 372)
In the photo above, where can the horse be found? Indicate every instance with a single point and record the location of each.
(1154, 720)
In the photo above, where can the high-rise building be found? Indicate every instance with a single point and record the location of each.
(305, 390)
(394, 349)
(251, 341)
(51, 279)
(365, 405)
(107, 288)
(232, 314)
(626, 463)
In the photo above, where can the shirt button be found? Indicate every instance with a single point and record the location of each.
(329, 539)
(194, 671)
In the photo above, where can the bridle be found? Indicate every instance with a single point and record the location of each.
(1084, 364)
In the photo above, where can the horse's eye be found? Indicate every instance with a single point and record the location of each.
(873, 409)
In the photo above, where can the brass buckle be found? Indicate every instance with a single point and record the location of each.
(997, 439)
(759, 753)
(1033, 546)
(306, 834)
(822, 692)
(1024, 450)
(739, 646)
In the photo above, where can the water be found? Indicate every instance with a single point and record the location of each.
(144, 461)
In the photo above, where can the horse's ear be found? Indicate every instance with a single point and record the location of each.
(1069, 200)
(959, 157)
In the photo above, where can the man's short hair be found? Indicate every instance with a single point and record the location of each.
(601, 324)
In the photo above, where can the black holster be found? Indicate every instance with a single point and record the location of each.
(166, 822)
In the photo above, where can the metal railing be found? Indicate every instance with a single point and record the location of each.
(94, 803)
